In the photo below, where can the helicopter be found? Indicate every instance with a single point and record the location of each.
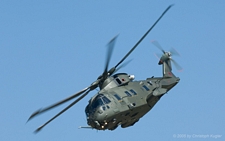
(121, 100)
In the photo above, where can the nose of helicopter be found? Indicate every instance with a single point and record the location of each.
(100, 115)
(98, 119)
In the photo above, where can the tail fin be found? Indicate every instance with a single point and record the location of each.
(167, 68)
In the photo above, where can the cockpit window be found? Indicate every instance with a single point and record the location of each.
(106, 100)
(99, 101)
(96, 103)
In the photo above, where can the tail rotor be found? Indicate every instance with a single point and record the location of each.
(167, 55)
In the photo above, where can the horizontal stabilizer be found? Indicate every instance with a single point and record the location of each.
(159, 91)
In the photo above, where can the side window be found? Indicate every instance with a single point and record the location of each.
(118, 81)
(146, 88)
(133, 92)
(149, 82)
(117, 97)
(128, 94)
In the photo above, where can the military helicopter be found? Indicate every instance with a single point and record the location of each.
(121, 100)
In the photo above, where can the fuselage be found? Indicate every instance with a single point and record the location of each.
(123, 101)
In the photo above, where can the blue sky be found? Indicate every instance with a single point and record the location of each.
(52, 49)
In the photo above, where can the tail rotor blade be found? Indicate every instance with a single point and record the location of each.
(174, 52)
(178, 67)
(158, 56)
(158, 46)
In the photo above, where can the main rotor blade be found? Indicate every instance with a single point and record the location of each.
(143, 37)
(122, 65)
(69, 106)
(110, 48)
(56, 104)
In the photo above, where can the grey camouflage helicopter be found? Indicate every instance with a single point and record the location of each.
(121, 100)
